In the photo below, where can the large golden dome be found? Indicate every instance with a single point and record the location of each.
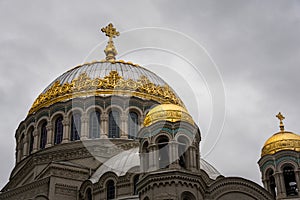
(283, 140)
(167, 112)
(104, 78)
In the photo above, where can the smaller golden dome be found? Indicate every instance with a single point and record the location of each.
(281, 141)
(167, 112)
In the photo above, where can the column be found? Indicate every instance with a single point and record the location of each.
(104, 125)
(85, 128)
(19, 156)
(66, 133)
(35, 139)
(279, 180)
(192, 158)
(153, 157)
(25, 146)
(49, 134)
(173, 154)
(124, 126)
(141, 122)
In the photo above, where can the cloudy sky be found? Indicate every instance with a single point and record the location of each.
(254, 45)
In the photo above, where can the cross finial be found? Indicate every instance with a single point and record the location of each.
(110, 31)
(110, 49)
(281, 117)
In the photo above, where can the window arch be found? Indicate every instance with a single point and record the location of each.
(114, 130)
(187, 196)
(133, 125)
(75, 126)
(89, 195)
(110, 190)
(43, 135)
(271, 182)
(145, 156)
(163, 152)
(31, 140)
(94, 130)
(290, 181)
(59, 128)
(183, 151)
(135, 181)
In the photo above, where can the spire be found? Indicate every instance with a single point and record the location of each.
(281, 117)
(110, 49)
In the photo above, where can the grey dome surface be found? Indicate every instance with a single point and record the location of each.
(121, 163)
(212, 172)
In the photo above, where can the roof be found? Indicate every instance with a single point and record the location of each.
(102, 78)
(167, 112)
(123, 162)
(280, 141)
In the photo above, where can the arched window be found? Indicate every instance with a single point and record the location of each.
(114, 130)
(43, 135)
(271, 182)
(89, 195)
(187, 196)
(132, 125)
(31, 140)
(163, 149)
(110, 190)
(145, 156)
(75, 126)
(182, 151)
(94, 124)
(135, 181)
(290, 181)
(59, 128)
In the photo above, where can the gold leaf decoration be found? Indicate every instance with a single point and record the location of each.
(111, 84)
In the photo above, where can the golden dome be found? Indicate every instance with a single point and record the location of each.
(104, 78)
(282, 140)
(167, 112)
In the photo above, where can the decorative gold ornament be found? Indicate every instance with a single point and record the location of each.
(167, 112)
(112, 84)
(282, 140)
(110, 50)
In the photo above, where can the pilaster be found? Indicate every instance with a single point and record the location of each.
(104, 125)
(49, 134)
(66, 133)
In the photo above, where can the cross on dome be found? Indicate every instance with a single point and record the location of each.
(110, 31)
(110, 50)
(281, 118)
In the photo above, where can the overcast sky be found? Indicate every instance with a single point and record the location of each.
(254, 44)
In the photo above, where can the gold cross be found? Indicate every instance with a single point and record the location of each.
(110, 50)
(110, 31)
(281, 117)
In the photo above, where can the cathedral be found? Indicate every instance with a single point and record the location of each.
(112, 129)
